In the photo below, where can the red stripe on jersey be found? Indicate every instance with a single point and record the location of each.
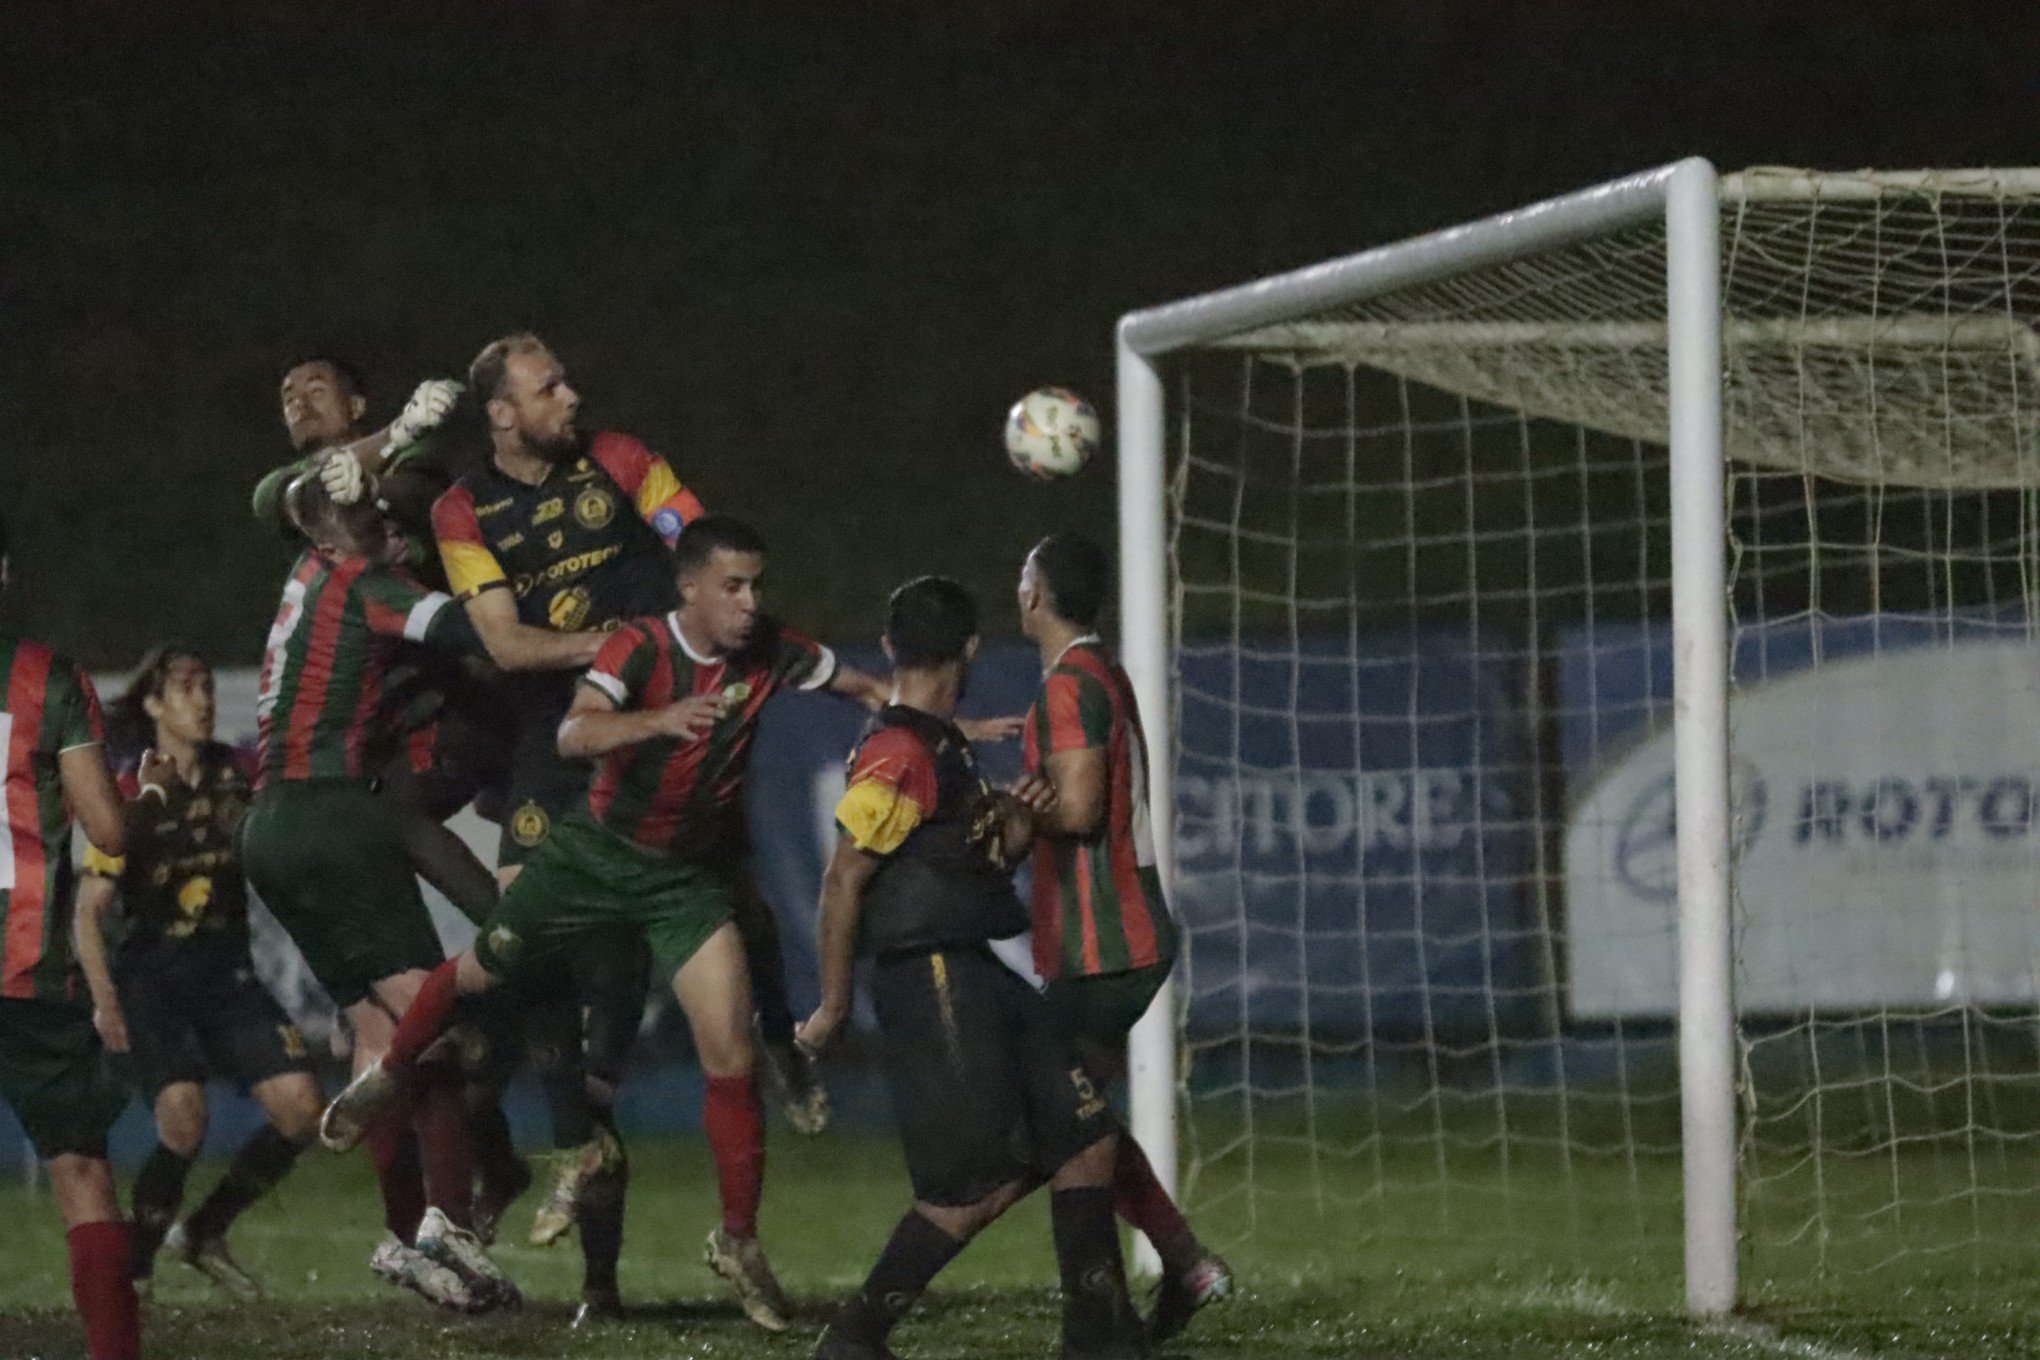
(683, 767)
(359, 722)
(321, 649)
(1136, 917)
(27, 909)
(454, 519)
(1087, 912)
(658, 692)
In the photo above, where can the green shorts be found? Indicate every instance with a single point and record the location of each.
(1093, 1015)
(585, 879)
(327, 858)
(55, 1077)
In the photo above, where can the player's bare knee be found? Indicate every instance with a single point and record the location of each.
(292, 1103)
(181, 1117)
(82, 1186)
(1090, 1168)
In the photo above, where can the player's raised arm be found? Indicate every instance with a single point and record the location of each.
(860, 686)
(654, 488)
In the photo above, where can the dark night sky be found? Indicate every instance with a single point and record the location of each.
(809, 250)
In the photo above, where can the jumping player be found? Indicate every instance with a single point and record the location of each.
(987, 1103)
(328, 858)
(669, 710)
(1104, 939)
(565, 529)
(52, 1071)
(187, 1005)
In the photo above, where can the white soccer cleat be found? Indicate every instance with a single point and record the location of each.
(354, 1111)
(461, 1252)
(741, 1261)
(411, 1269)
(210, 1259)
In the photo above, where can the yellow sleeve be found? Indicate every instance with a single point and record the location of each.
(102, 865)
(876, 816)
(470, 568)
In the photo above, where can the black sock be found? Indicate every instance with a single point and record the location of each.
(1097, 1313)
(766, 963)
(159, 1191)
(600, 1223)
(496, 1156)
(262, 1161)
(914, 1254)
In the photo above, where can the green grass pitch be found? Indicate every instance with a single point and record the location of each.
(1380, 1281)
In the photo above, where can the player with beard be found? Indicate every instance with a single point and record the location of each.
(447, 745)
(564, 529)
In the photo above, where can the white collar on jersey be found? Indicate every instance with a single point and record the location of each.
(673, 623)
(1087, 640)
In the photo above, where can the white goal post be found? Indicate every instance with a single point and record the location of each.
(1723, 387)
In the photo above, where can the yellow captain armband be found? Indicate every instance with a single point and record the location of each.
(877, 817)
(102, 865)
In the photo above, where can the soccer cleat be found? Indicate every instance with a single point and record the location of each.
(456, 1249)
(354, 1111)
(1179, 1296)
(741, 1261)
(210, 1259)
(398, 1264)
(145, 1238)
(493, 1198)
(598, 1306)
(796, 1079)
(835, 1346)
(575, 1168)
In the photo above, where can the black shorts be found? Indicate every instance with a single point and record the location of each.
(982, 1090)
(542, 786)
(585, 1011)
(199, 1011)
(458, 749)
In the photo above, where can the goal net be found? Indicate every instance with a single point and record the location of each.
(1419, 579)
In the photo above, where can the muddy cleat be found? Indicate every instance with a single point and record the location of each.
(1179, 1296)
(598, 1306)
(835, 1346)
(493, 1198)
(398, 1264)
(456, 1249)
(796, 1080)
(210, 1259)
(576, 1168)
(741, 1261)
(348, 1119)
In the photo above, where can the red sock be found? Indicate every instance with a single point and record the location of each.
(1138, 1197)
(449, 1157)
(427, 1017)
(102, 1286)
(735, 1120)
(393, 1149)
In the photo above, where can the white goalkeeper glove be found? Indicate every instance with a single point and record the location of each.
(424, 412)
(341, 473)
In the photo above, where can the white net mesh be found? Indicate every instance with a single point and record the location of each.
(1421, 560)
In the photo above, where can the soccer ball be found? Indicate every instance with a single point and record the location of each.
(1051, 432)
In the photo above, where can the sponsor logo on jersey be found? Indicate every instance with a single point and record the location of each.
(594, 508)
(548, 511)
(569, 608)
(667, 523)
(556, 539)
(503, 943)
(492, 508)
(734, 697)
(529, 825)
(509, 541)
(568, 567)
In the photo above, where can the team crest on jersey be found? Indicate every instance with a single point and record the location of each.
(734, 696)
(594, 508)
(529, 825)
(569, 608)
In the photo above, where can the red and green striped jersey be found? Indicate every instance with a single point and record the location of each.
(323, 711)
(687, 797)
(47, 707)
(1098, 904)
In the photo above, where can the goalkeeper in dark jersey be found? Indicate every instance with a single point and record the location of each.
(181, 997)
(989, 1099)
